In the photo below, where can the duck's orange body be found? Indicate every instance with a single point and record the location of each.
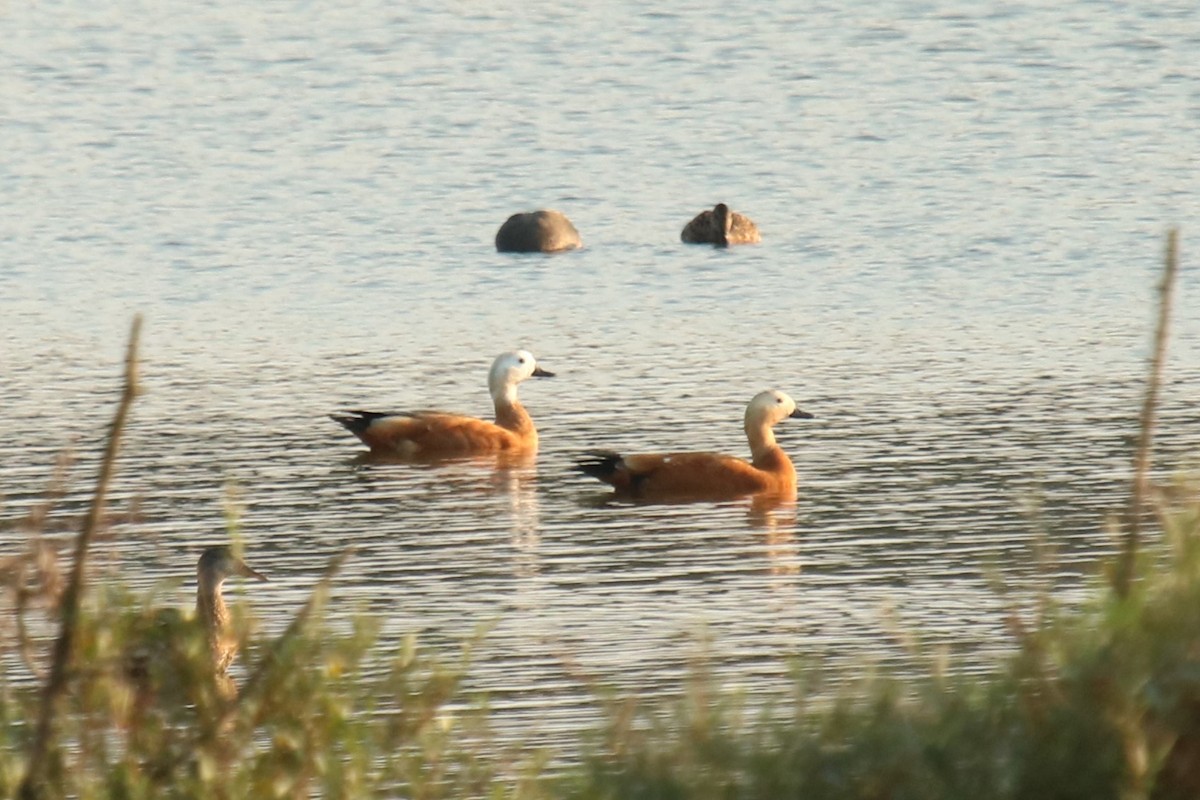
(688, 475)
(436, 434)
(721, 227)
(432, 434)
(703, 475)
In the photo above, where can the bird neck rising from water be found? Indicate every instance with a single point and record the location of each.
(504, 393)
(762, 439)
(215, 618)
(768, 456)
(762, 414)
(510, 414)
(502, 384)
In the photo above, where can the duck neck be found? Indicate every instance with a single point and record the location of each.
(765, 452)
(510, 414)
(213, 614)
(762, 438)
(769, 456)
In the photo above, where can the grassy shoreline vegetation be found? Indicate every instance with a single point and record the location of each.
(1096, 701)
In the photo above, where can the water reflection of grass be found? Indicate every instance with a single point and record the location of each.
(1099, 701)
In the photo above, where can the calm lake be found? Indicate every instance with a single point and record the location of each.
(963, 209)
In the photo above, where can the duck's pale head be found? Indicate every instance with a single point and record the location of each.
(513, 367)
(772, 406)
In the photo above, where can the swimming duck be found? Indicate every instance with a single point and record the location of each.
(544, 231)
(721, 227)
(163, 662)
(689, 475)
(217, 563)
(436, 434)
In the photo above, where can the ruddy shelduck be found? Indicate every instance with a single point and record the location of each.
(663, 476)
(435, 434)
(721, 227)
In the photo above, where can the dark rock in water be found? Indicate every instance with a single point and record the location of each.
(544, 231)
(721, 227)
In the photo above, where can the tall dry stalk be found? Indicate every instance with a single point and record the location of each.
(34, 784)
(1141, 459)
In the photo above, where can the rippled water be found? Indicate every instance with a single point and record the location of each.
(963, 213)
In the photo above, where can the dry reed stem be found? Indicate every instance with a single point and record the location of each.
(1141, 460)
(33, 784)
